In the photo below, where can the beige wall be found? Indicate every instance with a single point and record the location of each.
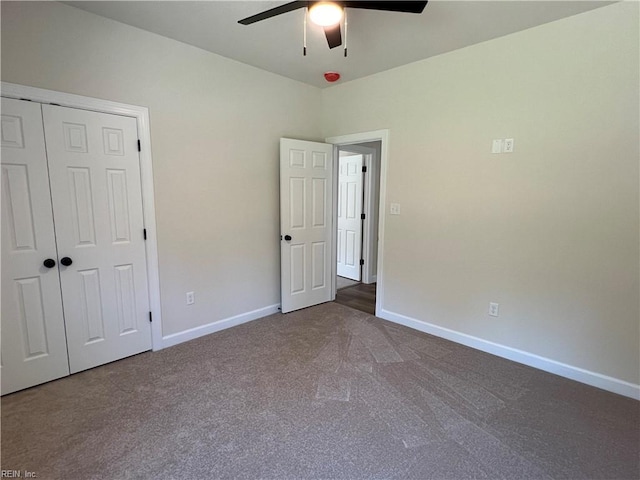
(551, 231)
(215, 128)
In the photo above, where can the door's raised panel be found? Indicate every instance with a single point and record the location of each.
(298, 268)
(297, 202)
(297, 159)
(319, 160)
(34, 333)
(350, 257)
(112, 141)
(340, 246)
(126, 299)
(341, 199)
(82, 205)
(118, 205)
(92, 305)
(318, 261)
(352, 191)
(352, 168)
(75, 137)
(12, 131)
(18, 210)
(319, 199)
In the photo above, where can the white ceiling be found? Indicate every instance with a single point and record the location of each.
(377, 40)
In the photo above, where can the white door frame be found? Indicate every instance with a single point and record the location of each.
(141, 114)
(343, 140)
(368, 160)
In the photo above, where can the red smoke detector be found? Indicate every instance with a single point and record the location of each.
(332, 76)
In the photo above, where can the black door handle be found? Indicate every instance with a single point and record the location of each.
(49, 263)
(287, 238)
(66, 261)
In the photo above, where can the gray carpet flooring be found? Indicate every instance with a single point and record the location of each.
(326, 392)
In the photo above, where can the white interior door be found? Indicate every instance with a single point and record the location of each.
(306, 192)
(97, 204)
(349, 211)
(34, 347)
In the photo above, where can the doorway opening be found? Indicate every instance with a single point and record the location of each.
(358, 199)
(309, 249)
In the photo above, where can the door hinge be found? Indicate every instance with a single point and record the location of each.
(150, 317)
(362, 261)
(139, 148)
(364, 169)
(144, 233)
(362, 216)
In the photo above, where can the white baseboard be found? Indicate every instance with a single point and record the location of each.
(192, 333)
(568, 371)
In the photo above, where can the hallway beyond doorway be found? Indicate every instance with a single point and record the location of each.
(343, 282)
(360, 296)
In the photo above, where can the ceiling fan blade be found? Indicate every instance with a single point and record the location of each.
(389, 6)
(287, 7)
(334, 37)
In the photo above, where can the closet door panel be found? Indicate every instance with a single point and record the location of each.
(97, 202)
(34, 348)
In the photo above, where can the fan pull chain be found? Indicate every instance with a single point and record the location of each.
(345, 31)
(304, 35)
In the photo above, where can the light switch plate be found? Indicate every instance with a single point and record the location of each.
(508, 145)
(496, 146)
(395, 209)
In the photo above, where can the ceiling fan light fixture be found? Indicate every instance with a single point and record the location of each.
(325, 14)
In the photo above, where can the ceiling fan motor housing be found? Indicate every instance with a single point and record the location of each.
(332, 30)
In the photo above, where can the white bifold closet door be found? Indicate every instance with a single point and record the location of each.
(94, 170)
(34, 347)
(95, 207)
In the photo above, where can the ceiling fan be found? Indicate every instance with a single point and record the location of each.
(329, 14)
